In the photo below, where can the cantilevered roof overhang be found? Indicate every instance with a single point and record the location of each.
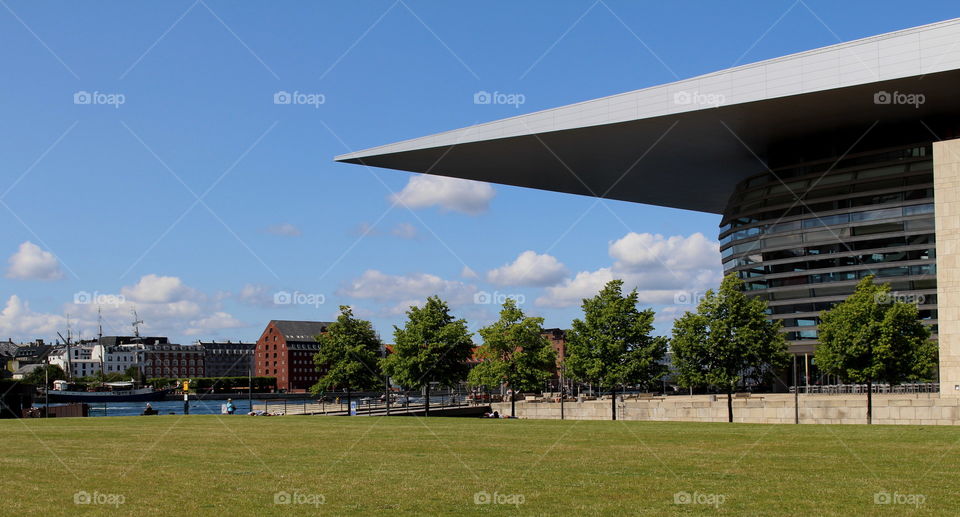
(686, 144)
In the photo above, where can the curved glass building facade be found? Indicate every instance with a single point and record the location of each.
(802, 236)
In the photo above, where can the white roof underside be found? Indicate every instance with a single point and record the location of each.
(907, 53)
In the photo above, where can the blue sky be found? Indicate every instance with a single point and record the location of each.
(202, 203)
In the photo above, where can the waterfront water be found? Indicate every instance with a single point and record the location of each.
(197, 407)
(205, 407)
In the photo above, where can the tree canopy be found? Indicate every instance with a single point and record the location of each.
(873, 336)
(432, 346)
(612, 345)
(53, 373)
(514, 352)
(729, 335)
(349, 354)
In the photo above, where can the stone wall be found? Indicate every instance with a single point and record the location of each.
(923, 409)
(946, 182)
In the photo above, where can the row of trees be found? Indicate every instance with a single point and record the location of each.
(871, 336)
(433, 347)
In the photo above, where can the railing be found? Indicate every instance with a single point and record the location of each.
(852, 389)
(340, 406)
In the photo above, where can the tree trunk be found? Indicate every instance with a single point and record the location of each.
(426, 401)
(513, 403)
(349, 407)
(869, 401)
(730, 405)
(613, 402)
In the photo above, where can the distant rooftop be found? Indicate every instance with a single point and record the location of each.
(301, 330)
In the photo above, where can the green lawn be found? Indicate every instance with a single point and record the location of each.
(239, 465)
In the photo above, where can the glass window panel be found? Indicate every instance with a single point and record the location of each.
(826, 221)
(878, 228)
(784, 227)
(783, 241)
(881, 171)
(918, 209)
(873, 215)
(836, 178)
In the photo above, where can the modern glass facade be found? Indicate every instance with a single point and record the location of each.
(802, 236)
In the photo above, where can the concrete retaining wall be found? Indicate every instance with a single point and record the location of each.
(924, 409)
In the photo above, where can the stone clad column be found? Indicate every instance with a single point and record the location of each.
(946, 182)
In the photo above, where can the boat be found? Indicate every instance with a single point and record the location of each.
(113, 392)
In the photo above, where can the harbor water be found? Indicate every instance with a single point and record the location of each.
(210, 407)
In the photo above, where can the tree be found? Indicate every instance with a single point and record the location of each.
(45, 375)
(612, 345)
(432, 346)
(872, 336)
(348, 356)
(514, 353)
(727, 336)
(132, 372)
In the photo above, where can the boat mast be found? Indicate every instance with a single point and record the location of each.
(69, 365)
(136, 323)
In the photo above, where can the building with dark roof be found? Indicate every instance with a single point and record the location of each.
(172, 360)
(227, 359)
(825, 166)
(33, 353)
(8, 350)
(285, 350)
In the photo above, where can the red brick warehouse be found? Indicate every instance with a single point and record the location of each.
(285, 350)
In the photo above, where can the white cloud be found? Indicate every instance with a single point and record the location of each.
(404, 231)
(658, 267)
(217, 321)
(373, 284)
(450, 194)
(165, 304)
(159, 289)
(529, 269)
(284, 229)
(572, 291)
(18, 321)
(639, 251)
(32, 263)
(466, 272)
(257, 295)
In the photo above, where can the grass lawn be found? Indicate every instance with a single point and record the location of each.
(239, 465)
